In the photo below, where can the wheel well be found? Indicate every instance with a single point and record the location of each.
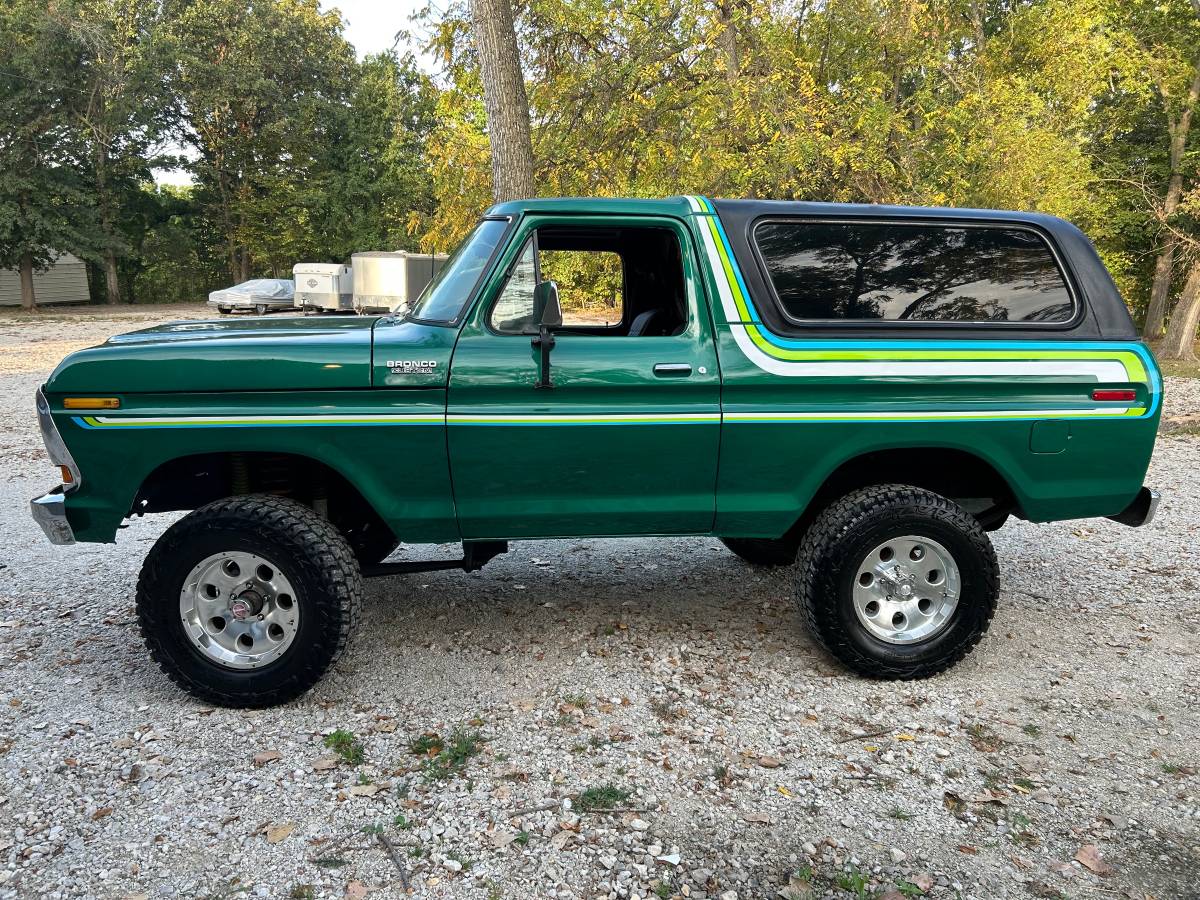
(966, 479)
(190, 482)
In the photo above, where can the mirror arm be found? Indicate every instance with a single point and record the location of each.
(544, 342)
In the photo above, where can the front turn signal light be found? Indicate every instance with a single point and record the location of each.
(91, 403)
(67, 477)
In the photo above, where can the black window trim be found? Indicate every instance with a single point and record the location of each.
(1077, 306)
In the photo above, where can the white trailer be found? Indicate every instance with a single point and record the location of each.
(385, 281)
(324, 286)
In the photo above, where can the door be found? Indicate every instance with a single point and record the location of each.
(625, 439)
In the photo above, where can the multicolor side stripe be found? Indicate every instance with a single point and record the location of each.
(1069, 360)
(713, 418)
(531, 419)
(127, 422)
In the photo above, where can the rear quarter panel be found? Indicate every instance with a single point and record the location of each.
(796, 408)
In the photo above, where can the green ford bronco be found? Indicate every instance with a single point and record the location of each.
(863, 391)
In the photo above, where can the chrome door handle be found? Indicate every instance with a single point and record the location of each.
(677, 369)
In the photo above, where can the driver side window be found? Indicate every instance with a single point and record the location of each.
(513, 310)
(616, 282)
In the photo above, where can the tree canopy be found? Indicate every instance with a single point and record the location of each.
(299, 151)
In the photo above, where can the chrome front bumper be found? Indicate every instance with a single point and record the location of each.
(50, 511)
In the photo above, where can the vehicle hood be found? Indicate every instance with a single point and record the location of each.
(279, 353)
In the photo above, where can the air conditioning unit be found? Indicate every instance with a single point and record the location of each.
(385, 281)
(327, 286)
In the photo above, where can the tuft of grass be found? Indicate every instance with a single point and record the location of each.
(521, 839)
(663, 891)
(599, 798)
(302, 892)
(897, 813)
(579, 701)
(428, 744)
(854, 881)
(1032, 730)
(347, 747)
(452, 759)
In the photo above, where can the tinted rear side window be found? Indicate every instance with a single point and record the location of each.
(915, 273)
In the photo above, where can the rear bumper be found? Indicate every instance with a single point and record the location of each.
(1140, 511)
(50, 511)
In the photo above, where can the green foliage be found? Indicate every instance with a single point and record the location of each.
(44, 205)
(300, 152)
(606, 796)
(345, 745)
(452, 758)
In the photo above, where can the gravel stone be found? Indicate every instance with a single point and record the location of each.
(667, 669)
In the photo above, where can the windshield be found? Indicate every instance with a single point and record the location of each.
(443, 299)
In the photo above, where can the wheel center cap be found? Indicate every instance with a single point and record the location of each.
(905, 590)
(245, 606)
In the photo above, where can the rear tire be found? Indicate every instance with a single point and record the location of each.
(248, 601)
(897, 582)
(764, 551)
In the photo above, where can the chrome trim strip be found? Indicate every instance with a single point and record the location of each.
(56, 447)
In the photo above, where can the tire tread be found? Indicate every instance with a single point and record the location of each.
(822, 551)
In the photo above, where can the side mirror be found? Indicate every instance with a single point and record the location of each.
(546, 309)
(547, 312)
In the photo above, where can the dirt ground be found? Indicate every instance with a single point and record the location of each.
(615, 719)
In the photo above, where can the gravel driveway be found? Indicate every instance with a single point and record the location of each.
(605, 719)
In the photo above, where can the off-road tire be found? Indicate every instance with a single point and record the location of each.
(846, 532)
(310, 551)
(763, 551)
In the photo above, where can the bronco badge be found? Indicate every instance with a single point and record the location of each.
(412, 366)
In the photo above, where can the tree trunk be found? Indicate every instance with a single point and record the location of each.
(28, 300)
(1164, 266)
(729, 40)
(112, 284)
(504, 99)
(1180, 342)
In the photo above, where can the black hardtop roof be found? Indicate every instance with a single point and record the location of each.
(754, 209)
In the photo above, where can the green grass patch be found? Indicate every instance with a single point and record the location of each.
(606, 796)
(452, 758)
(347, 747)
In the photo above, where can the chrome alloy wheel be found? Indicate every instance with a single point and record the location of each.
(239, 610)
(906, 589)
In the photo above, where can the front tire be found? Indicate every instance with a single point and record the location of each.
(248, 601)
(897, 582)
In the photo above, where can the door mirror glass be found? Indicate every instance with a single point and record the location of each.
(546, 309)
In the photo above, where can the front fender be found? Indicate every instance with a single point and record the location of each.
(390, 445)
